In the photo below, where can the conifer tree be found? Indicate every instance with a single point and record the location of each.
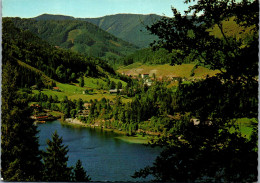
(55, 160)
(81, 82)
(20, 156)
(80, 174)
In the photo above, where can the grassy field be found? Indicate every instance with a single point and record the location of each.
(74, 91)
(137, 139)
(245, 126)
(55, 113)
(167, 70)
(232, 29)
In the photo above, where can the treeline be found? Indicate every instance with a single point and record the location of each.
(150, 56)
(159, 104)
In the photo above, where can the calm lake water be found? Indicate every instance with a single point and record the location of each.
(104, 157)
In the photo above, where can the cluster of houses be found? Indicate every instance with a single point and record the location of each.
(145, 77)
(39, 115)
(149, 80)
(85, 112)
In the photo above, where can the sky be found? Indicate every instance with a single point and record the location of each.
(88, 8)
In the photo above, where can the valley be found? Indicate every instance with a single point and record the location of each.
(91, 92)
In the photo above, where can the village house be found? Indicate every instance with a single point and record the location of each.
(148, 82)
(115, 91)
(83, 113)
(56, 89)
(34, 87)
(195, 121)
(87, 105)
(87, 91)
(145, 76)
(176, 78)
(36, 106)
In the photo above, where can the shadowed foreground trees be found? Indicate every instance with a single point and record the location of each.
(210, 152)
(80, 173)
(56, 163)
(55, 160)
(20, 155)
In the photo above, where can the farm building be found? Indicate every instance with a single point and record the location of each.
(114, 91)
(87, 105)
(56, 89)
(145, 76)
(34, 87)
(148, 82)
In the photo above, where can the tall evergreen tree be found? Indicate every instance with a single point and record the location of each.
(55, 160)
(119, 85)
(81, 81)
(20, 155)
(80, 174)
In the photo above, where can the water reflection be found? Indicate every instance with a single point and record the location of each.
(105, 157)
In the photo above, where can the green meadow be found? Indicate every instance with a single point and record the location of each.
(74, 91)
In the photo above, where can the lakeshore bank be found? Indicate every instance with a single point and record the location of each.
(138, 139)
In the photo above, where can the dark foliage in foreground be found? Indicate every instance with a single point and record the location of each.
(209, 152)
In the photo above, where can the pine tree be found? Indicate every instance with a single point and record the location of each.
(20, 155)
(81, 82)
(80, 174)
(55, 160)
(119, 85)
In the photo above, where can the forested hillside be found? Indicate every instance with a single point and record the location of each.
(206, 119)
(34, 57)
(163, 56)
(129, 27)
(79, 36)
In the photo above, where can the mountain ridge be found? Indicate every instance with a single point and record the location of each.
(127, 26)
(80, 36)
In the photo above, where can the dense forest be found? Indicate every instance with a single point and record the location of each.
(195, 121)
(79, 36)
(24, 48)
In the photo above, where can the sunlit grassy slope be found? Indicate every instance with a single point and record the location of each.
(231, 29)
(167, 70)
(74, 91)
(245, 125)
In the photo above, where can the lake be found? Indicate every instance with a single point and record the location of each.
(104, 157)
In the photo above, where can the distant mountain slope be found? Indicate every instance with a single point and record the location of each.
(76, 35)
(53, 17)
(129, 27)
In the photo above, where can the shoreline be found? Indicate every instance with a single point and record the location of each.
(137, 139)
